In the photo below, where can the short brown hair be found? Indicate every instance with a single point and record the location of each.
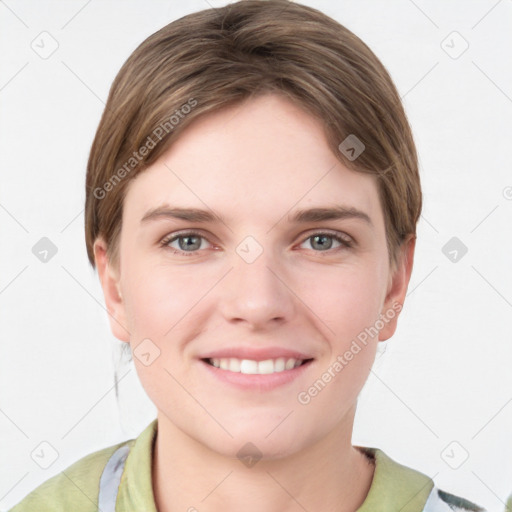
(218, 57)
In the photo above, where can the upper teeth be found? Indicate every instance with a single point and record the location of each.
(256, 367)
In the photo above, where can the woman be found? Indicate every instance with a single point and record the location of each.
(252, 198)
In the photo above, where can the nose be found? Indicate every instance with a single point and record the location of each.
(256, 294)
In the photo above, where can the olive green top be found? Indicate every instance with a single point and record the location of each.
(394, 487)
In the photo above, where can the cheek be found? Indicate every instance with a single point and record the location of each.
(162, 300)
(163, 307)
(346, 300)
(347, 305)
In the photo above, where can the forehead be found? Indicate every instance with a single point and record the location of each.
(257, 160)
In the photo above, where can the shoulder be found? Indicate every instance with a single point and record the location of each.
(398, 487)
(75, 488)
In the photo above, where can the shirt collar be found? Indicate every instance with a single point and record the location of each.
(394, 486)
(136, 486)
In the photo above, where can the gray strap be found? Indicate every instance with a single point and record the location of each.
(435, 504)
(110, 479)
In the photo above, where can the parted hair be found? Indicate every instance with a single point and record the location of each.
(218, 57)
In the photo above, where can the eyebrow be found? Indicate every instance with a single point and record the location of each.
(299, 217)
(190, 214)
(333, 213)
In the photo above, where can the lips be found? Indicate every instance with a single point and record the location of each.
(263, 375)
(257, 369)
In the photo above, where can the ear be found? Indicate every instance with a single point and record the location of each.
(109, 278)
(397, 288)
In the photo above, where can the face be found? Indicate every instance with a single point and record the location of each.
(257, 280)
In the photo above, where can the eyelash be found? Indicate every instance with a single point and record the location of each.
(345, 242)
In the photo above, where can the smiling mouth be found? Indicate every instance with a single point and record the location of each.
(252, 367)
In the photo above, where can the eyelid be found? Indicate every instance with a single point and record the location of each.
(331, 232)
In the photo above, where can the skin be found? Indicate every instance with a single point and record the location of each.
(254, 164)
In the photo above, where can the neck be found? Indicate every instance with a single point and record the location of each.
(329, 475)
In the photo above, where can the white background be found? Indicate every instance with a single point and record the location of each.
(446, 374)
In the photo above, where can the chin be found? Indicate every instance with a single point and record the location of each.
(265, 440)
(249, 452)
